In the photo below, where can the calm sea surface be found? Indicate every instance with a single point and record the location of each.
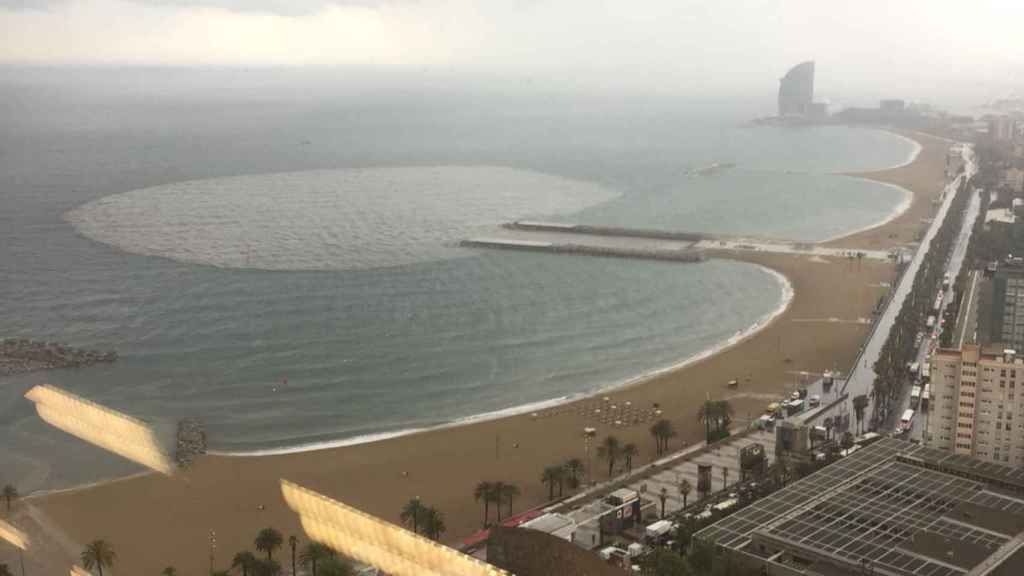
(225, 232)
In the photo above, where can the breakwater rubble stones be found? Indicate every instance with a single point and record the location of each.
(22, 355)
(191, 442)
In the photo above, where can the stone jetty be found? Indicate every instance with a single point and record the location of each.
(191, 441)
(21, 356)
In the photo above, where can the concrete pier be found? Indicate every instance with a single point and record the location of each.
(684, 254)
(652, 244)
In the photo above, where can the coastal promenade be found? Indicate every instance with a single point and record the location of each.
(862, 376)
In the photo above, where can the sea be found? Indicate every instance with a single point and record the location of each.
(276, 252)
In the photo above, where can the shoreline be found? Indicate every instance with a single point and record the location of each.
(153, 518)
(762, 322)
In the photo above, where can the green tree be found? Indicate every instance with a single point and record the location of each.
(701, 557)
(724, 413)
(706, 415)
(244, 560)
(267, 567)
(98, 554)
(497, 490)
(221, 573)
(336, 567)
(860, 403)
(313, 554)
(293, 542)
(10, 495)
(267, 541)
(411, 514)
(552, 476)
(684, 489)
(511, 492)
(610, 449)
(5, 571)
(663, 496)
(433, 522)
(169, 571)
(847, 441)
(628, 452)
(483, 491)
(574, 471)
(663, 562)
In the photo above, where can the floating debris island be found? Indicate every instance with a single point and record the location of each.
(191, 441)
(21, 356)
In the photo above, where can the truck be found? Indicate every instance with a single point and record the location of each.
(914, 369)
(926, 371)
(945, 281)
(658, 529)
(930, 323)
(926, 396)
(905, 421)
(915, 397)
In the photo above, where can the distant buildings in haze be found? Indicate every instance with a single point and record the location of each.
(796, 90)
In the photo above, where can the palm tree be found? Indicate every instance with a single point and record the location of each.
(574, 469)
(10, 494)
(725, 478)
(97, 555)
(292, 543)
(663, 496)
(847, 441)
(829, 425)
(5, 571)
(610, 450)
(684, 489)
(552, 475)
(628, 452)
(313, 554)
(433, 522)
(511, 493)
(706, 414)
(859, 404)
(662, 431)
(497, 489)
(411, 514)
(244, 560)
(483, 492)
(267, 541)
(724, 412)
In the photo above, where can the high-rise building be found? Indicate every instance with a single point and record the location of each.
(977, 384)
(796, 90)
(1001, 128)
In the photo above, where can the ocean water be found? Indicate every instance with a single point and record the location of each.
(276, 256)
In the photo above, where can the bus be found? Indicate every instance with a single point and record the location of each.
(905, 421)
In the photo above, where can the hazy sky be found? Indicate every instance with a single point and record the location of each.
(911, 46)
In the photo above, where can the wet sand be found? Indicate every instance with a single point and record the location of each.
(155, 521)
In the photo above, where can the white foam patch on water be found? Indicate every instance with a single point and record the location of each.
(327, 219)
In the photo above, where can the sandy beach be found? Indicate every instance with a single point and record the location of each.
(156, 521)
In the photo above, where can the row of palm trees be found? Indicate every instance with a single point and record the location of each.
(427, 519)
(495, 492)
(320, 559)
(663, 431)
(900, 347)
